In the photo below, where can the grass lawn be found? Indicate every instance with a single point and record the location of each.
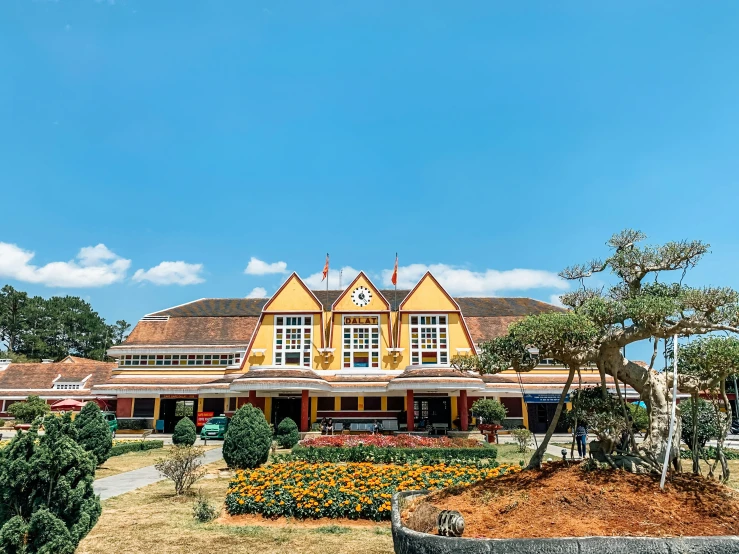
(151, 519)
(134, 460)
(509, 454)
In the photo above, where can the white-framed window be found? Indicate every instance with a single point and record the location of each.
(429, 340)
(67, 386)
(180, 359)
(361, 341)
(293, 340)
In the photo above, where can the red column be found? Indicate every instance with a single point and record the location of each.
(463, 414)
(253, 398)
(304, 409)
(409, 409)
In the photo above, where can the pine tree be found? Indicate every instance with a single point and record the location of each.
(94, 432)
(47, 503)
(248, 439)
(185, 432)
(288, 434)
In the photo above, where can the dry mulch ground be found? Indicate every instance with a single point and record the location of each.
(561, 501)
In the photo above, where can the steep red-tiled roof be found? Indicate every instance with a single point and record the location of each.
(194, 330)
(41, 376)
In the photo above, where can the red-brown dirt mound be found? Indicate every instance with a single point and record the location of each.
(560, 501)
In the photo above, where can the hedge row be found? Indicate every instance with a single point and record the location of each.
(135, 446)
(710, 453)
(131, 424)
(381, 455)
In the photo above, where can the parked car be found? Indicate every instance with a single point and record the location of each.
(112, 421)
(215, 428)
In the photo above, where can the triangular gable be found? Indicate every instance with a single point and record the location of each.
(429, 296)
(344, 303)
(293, 296)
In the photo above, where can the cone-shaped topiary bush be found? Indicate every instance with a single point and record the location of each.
(47, 503)
(248, 439)
(185, 432)
(288, 434)
(94, 432)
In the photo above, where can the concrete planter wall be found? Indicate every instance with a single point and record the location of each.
(407, 541)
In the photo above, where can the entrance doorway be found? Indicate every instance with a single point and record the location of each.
(171, 410)
(541, 415)
(285, 406)
(432, 410)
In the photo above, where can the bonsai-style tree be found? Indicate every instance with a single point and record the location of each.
(185, 432)
(248, 439)
(94, 432)
(644, 303)
(47, 503)
(29, 409)
(288, 434)
(489, 410)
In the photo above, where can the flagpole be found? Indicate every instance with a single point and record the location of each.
(328, 270)
(395, 300)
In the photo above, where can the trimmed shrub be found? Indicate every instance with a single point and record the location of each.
(710, 453)
(94, 432)
(709, 424)
(185, 432)
(248, 439)
(491, 411)
(203, 511)
(379, 455)
(29, 409)
(182, 466)
(288, 434)
(47, 502)
(134, 446)
(130, 424)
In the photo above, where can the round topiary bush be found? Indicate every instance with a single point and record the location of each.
(489, 410)
(185, 432)
(94, 432)
(248, 439)
(288, 434)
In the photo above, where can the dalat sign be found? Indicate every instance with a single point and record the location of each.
(360, 320)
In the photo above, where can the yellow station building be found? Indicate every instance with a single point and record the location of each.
(353, 355)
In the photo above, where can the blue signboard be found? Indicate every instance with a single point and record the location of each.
(543, 398)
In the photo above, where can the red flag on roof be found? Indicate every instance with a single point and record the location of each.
(394, 278)
(325, 269)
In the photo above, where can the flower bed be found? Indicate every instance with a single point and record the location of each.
(391, 455)
(388, 441)
(354, 490)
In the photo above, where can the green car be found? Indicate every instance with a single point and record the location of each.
(214, 428)
(112, 421)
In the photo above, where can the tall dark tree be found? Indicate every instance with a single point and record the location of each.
(12, 316)
(47, 503)
(119, 331)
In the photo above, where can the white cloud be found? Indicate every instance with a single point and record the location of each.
(171, 273)
(258, 267)
(257, 292)
(463, 282)
(344, 274)
(95, 266)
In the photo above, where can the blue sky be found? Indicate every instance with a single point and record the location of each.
(478, 139)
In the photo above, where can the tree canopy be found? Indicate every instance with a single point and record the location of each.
(55, 327)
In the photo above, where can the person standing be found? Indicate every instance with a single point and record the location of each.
(581, 438)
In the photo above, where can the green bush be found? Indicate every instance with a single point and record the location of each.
(287, 433)
(134, 446)
(709, 426)
(491, 411)
(94, 432)
(29, 409)
(47, 502)
(185, 432)
(710, 453)
(390, 455)
(130, 424)
(523, 438)
(203, 511)
(248, 439)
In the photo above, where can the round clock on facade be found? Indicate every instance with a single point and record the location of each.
(361, 296)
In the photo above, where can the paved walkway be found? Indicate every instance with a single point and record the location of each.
(108, 487)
